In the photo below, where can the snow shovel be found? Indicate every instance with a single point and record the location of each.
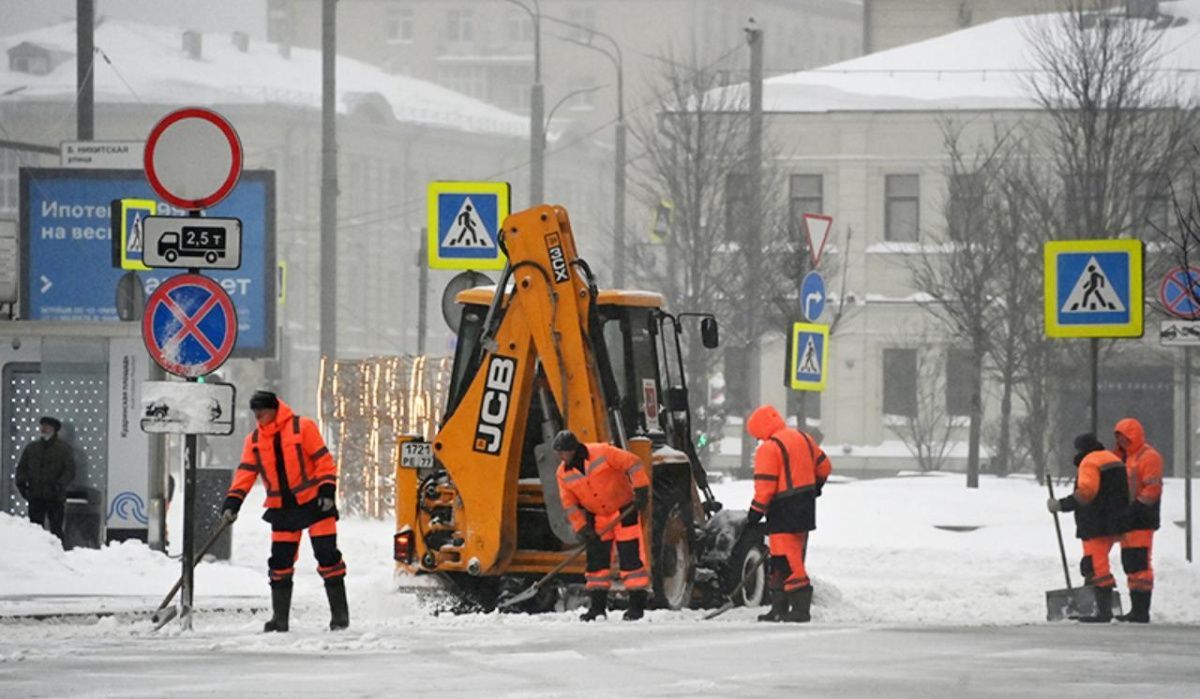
(531, 592)
(1072, 602)
(164, 614)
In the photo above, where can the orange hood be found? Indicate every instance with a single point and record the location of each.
(1132, 430)
(765, 422)
(283, 416)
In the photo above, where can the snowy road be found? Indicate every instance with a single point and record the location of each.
(668, 656)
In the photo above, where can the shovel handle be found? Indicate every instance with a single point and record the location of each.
(571, 556)
(212, 539)
(729, 604)
(1062, 551)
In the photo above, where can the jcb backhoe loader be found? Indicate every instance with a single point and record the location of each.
(543, 350)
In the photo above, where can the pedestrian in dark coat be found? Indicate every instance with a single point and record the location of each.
(44, 472)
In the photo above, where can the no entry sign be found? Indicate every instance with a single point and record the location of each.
(193, 158)
(190, 325)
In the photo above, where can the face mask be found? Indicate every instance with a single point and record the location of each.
(47, 436)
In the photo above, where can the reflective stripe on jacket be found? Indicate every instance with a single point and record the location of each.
(789, 467)
(604, 486)
(1102, 491)
(307, 462)
(1145, 470)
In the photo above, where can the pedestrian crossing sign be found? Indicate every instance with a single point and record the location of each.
(464, 224)
(808, 357)
(1093, 288)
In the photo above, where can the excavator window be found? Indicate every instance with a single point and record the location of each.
(467, 355)
(629, 334)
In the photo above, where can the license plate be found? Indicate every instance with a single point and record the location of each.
(416, 455)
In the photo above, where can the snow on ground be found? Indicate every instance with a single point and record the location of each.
(940, 613)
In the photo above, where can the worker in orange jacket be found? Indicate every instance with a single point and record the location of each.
(1145, 469)
(596, 483)
(1099, 502)
(286, 451)
(789, 471)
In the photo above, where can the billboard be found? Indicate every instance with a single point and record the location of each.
(67, 248)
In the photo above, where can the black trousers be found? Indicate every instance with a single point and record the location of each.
(41, 509)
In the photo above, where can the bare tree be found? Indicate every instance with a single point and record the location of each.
(958, 267)
(1118, 124)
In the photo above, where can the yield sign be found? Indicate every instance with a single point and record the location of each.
(816, 227)
(190, 325)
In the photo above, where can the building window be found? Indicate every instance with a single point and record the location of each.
(805, 196)
(959, 381)
(902, 208)
(399, 23)
(277, 22)
(460, 25)
(900, 382)
(469, 80)
(520, 28)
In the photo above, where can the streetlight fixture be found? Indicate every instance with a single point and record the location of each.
(537, 106)
(561, 102)
(615, 57)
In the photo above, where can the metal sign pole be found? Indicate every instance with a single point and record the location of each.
(189, 528)
(1187, 450)
(1095, 386)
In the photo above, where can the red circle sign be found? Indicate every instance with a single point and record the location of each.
(1179, 293)
(190, 325)
(193, 158)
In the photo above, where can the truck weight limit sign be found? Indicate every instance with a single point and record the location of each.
(191, 242)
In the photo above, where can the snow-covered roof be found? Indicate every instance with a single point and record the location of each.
(982, 67)
(145, 63)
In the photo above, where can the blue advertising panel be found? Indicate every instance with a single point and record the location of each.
(66, 249)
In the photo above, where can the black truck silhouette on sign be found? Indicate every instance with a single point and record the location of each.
(193, 241)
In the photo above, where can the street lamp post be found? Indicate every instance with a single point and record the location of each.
(537, 106)
(619, 142)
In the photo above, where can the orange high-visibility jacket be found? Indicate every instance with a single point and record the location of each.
(604, 486)
(1102, 491)
(1145, 470)
(307, 462)
(785, 483)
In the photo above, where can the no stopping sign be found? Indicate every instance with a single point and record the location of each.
(193, 158)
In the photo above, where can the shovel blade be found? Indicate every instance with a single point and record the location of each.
(1076, 602)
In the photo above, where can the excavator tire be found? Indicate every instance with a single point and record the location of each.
(674, 555)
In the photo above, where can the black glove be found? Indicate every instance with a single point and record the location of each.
(753, 517)
(641, 498)
(229, 511)
(588, 536)
(819, 485)
(325, 497)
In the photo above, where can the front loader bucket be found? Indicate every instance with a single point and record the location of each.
(1076, 602)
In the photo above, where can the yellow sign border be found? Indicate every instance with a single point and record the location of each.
(503, 193)
(1050, 254)
(823, 331)
(148, 205)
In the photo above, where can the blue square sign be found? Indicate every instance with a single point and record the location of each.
(464, 224)
(1093, 288)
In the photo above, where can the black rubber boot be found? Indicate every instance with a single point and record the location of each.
(779, 607)
(339, 610)
(1140, 614)
(599, 607)
(1103, 607)
(801, 601)
(637, 606)
(281, 607)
